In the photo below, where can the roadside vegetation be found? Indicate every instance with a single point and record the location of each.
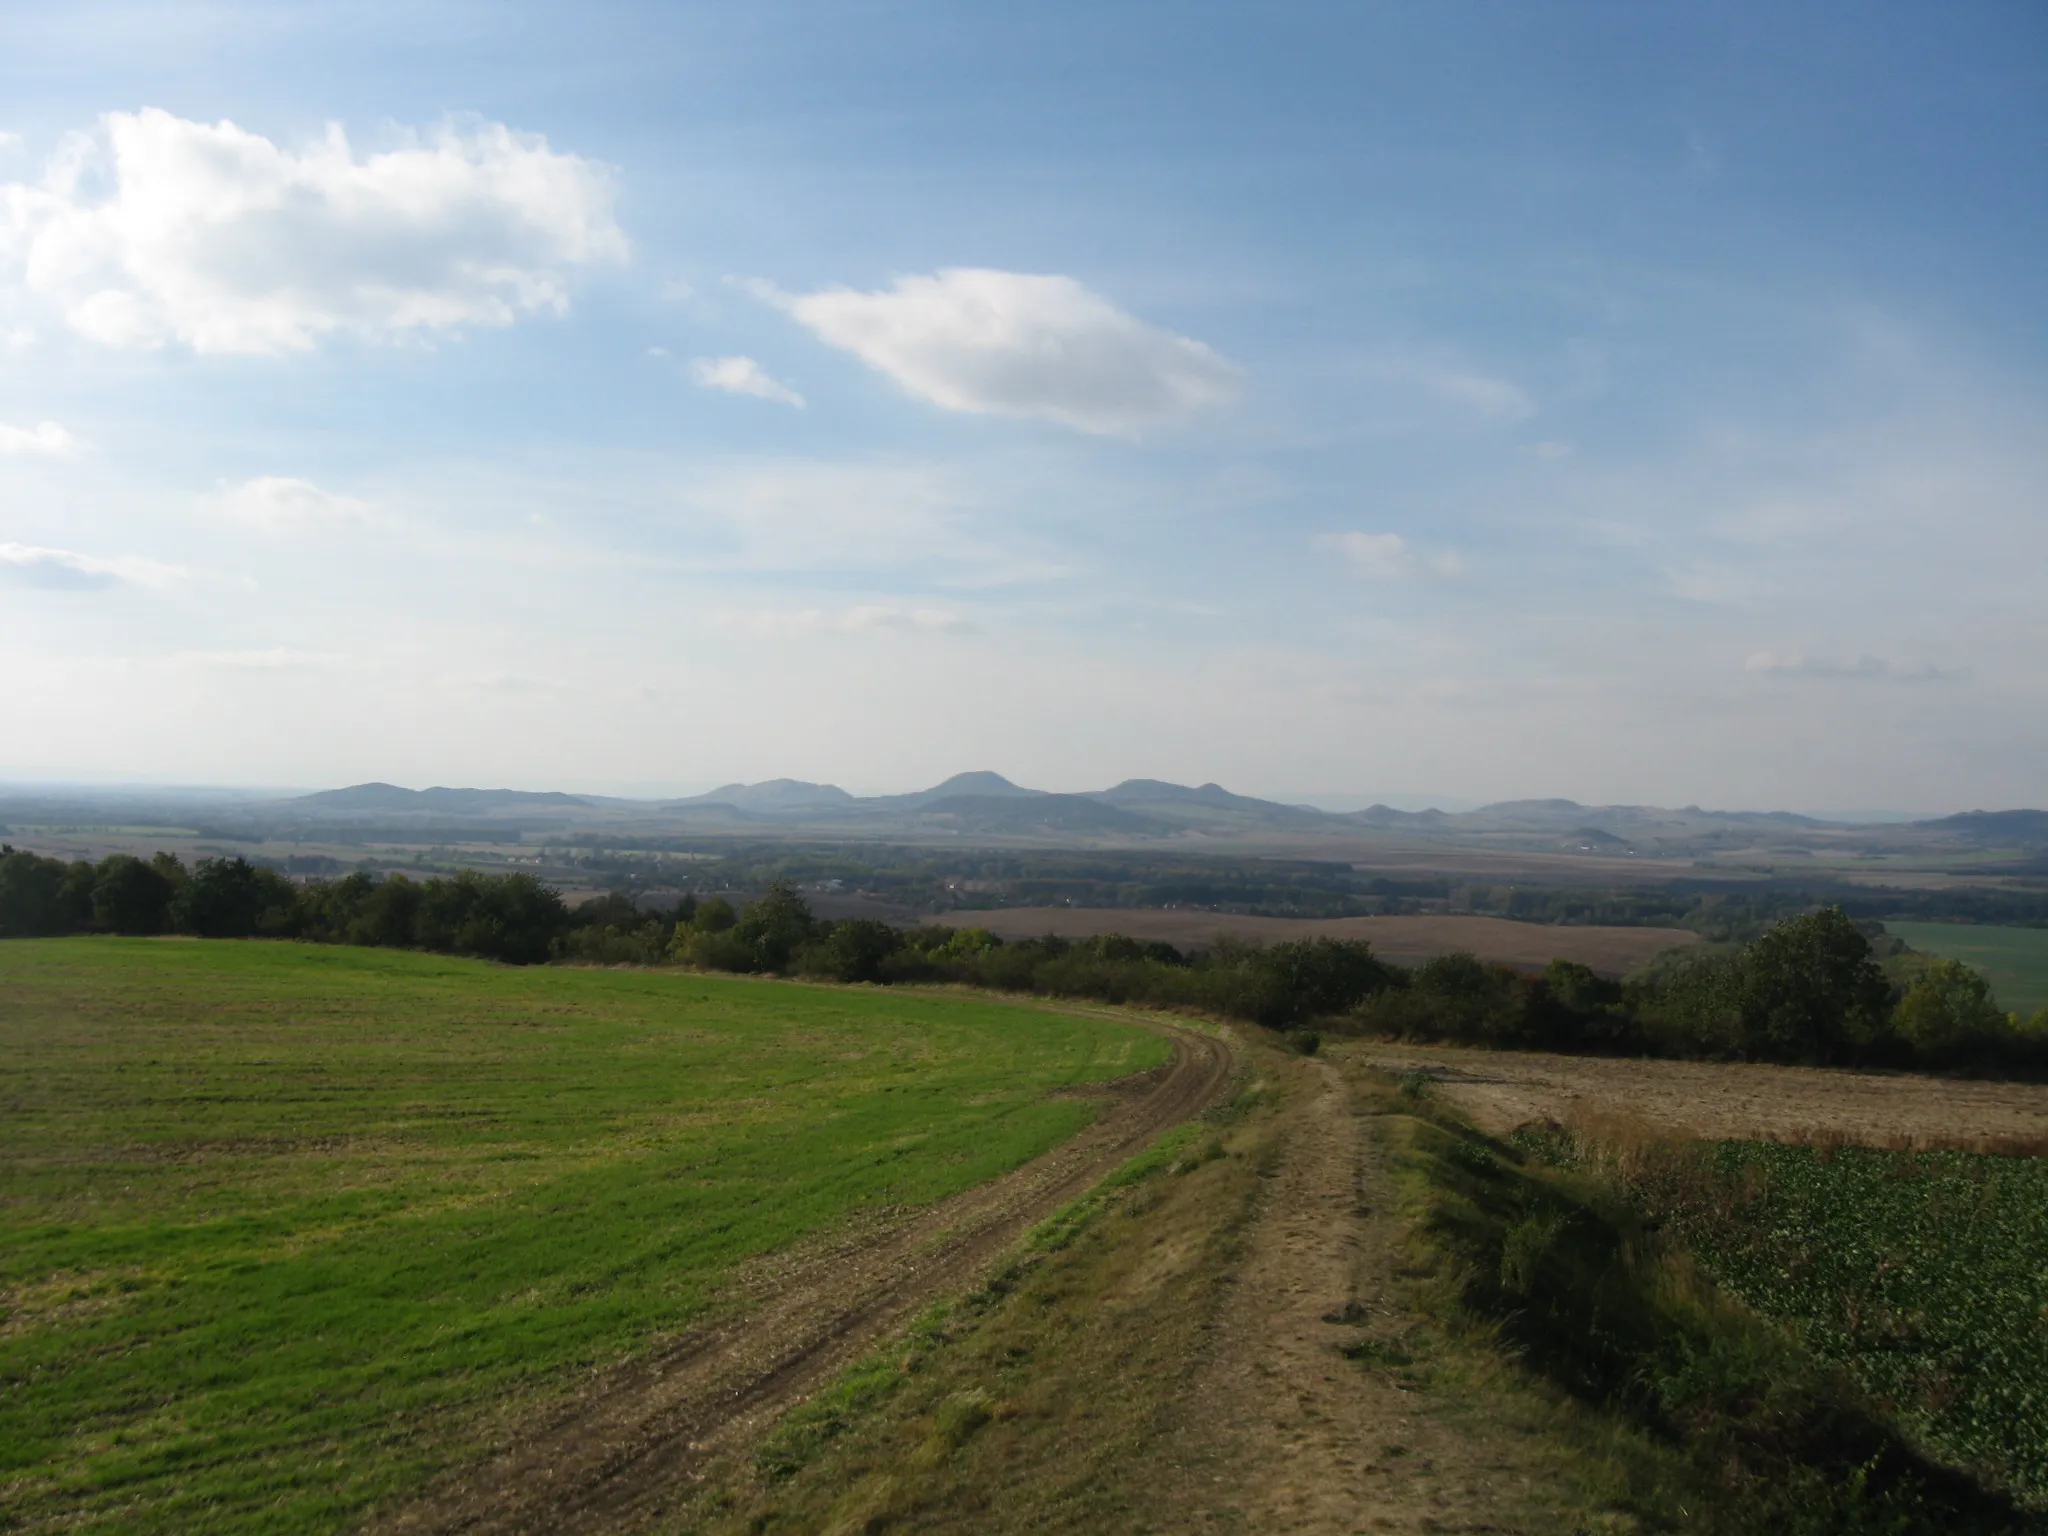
(1918, 1270)
(1603, 1289)
(286, 1229)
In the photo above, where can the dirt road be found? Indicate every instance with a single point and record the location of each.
(1278, 1430)
(627, 1448)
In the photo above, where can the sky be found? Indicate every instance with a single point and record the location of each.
(1631, 403)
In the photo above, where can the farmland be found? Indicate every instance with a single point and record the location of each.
(287, 1230)
(2013, 960)
(1919, 1271)
(1503, 1089)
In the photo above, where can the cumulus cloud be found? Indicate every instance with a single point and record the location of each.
(281, 504)
(866, 618)
(1863, 669)
(742, 376)
(1039, 346)
(45, 437)
(1389, 557)
(152, 229)
(65, 570)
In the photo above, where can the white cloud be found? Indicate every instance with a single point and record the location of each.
(31, 565)
(866, 618)
(281, 504)
(1551, 450)
(1019, 344)
(1864, 668)
(742, 376)
(153, 228)
(44, 437)
(1389, 557)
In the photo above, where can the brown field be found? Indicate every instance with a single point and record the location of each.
(1503, 1089)
(1403, 939)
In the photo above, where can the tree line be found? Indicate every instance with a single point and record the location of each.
(1809, 990)
(514, 918)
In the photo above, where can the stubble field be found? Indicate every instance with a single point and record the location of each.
(1501, 1090)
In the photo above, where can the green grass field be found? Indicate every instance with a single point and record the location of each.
(285, 1229)
(2013, 960)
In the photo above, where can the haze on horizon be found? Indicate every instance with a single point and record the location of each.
(1631, 406)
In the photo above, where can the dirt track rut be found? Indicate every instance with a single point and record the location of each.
(628, 1446)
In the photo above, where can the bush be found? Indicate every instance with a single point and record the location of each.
(1948, 1015)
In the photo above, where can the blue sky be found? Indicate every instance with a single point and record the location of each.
(1630, 403)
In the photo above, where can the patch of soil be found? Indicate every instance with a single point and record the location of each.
(1503, 1089)
(1407, 940)
(626, 1448)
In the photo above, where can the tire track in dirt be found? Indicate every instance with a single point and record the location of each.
(1278, 1430)
(628, 1446)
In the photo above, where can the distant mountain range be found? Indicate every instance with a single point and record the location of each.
(984, 802)
(382, 798)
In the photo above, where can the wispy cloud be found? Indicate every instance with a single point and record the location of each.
(863, 619)
(917, 520)
(742, 376)
(1481, 396)
(283, 504)
(65, 570)
(1862, 669)
(1038, 346)
(1390, 557)
(153, 229)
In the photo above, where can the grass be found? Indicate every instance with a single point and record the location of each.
(285, 1229)
(2013, 960)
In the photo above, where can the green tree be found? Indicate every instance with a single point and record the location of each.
(854, 950)
(31, 894)
(774, 928)
(129, 896)
(1810, 991)
(1948, 1012)
(231, 898)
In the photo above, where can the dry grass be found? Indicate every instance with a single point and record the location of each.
(1407, 940)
